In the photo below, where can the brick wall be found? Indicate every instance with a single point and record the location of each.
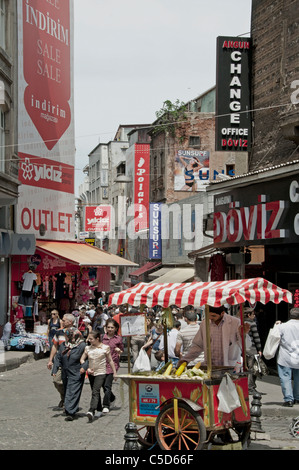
(275, 66)
(165, 147)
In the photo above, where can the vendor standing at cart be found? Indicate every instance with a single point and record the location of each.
(226, 339)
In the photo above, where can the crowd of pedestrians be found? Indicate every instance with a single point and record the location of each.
(87, 343)
(84, 343)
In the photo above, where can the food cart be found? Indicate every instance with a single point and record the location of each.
(181, 412)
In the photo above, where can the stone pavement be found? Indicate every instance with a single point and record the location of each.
(29, 418)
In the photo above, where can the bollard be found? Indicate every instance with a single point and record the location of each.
(131, 437)
(256, 412)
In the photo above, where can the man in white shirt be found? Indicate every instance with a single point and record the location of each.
(171, 342)
(288, 358)
(186, 335)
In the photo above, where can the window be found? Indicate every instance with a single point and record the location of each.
(230, 170)
(2, 140)
(194, 141)
(2, 24)
(121, 169)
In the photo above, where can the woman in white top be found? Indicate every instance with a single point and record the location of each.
(97, 354)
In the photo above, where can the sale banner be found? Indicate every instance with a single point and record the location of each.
(46, 59)
(46, 135)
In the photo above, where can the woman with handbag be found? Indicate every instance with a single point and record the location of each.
(72, 370)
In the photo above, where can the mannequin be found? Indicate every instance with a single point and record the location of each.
(29, 281)
(26, 297)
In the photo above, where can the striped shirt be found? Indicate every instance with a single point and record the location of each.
(59, 338)
(185, 338)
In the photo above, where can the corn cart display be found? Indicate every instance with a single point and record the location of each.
(183, 409)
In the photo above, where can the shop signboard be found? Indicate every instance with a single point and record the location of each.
(155, 231)
(233, 115)
(141, 186)
(268, 213)
(46, 118)
(98, 218)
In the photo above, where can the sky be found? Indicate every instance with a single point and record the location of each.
(132, 55)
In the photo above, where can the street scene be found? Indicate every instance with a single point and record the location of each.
(34, 422)
(149, 227)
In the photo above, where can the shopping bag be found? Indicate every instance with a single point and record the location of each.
(142, 363)
(259, 368)
(272, 343)
(227, 395)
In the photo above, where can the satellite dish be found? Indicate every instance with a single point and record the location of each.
(42, 230)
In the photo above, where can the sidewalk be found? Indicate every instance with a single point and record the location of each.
(272, 398)
(12, 359)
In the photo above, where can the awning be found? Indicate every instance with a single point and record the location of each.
(146, 268)
(202, 293)
(176, 275)
(81, 254)
(204, 251)
(159, 273)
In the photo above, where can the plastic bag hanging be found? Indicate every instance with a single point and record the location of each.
(228, 395)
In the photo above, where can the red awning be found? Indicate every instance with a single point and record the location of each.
(148, 267)
(202, 293)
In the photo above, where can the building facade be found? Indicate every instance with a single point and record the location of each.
(8, 146)
(255, 215)
(275, 75)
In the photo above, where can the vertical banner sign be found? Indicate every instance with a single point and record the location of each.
(155, 236)
(141, 186)
(233, 116)
(46, 118)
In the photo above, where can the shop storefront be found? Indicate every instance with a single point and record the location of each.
(65, 274)
(254, 231)
(262, 216)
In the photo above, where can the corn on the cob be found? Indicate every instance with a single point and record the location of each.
(168, 370)
(197, 365)
(181, 369)
(163, 368)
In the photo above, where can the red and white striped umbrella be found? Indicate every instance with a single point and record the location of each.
(202, 293)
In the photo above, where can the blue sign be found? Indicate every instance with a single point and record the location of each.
(149, 400)
(155, 238)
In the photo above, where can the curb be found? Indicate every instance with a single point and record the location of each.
(280, 412)
(15, 362)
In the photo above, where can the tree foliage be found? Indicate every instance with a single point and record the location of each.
(170, 115)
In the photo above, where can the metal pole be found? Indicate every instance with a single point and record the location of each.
(208, 341)
(243, 338)
(209, 365)
(165, 341)
(129, 354)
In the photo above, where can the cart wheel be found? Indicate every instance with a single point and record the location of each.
(146, 436)
(191, 431)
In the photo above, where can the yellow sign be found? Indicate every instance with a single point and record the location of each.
(90, 241)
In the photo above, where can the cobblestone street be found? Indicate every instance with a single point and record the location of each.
(30, 419)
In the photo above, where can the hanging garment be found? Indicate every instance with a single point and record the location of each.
(218, 267)
(28, 279)
(103, 278)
